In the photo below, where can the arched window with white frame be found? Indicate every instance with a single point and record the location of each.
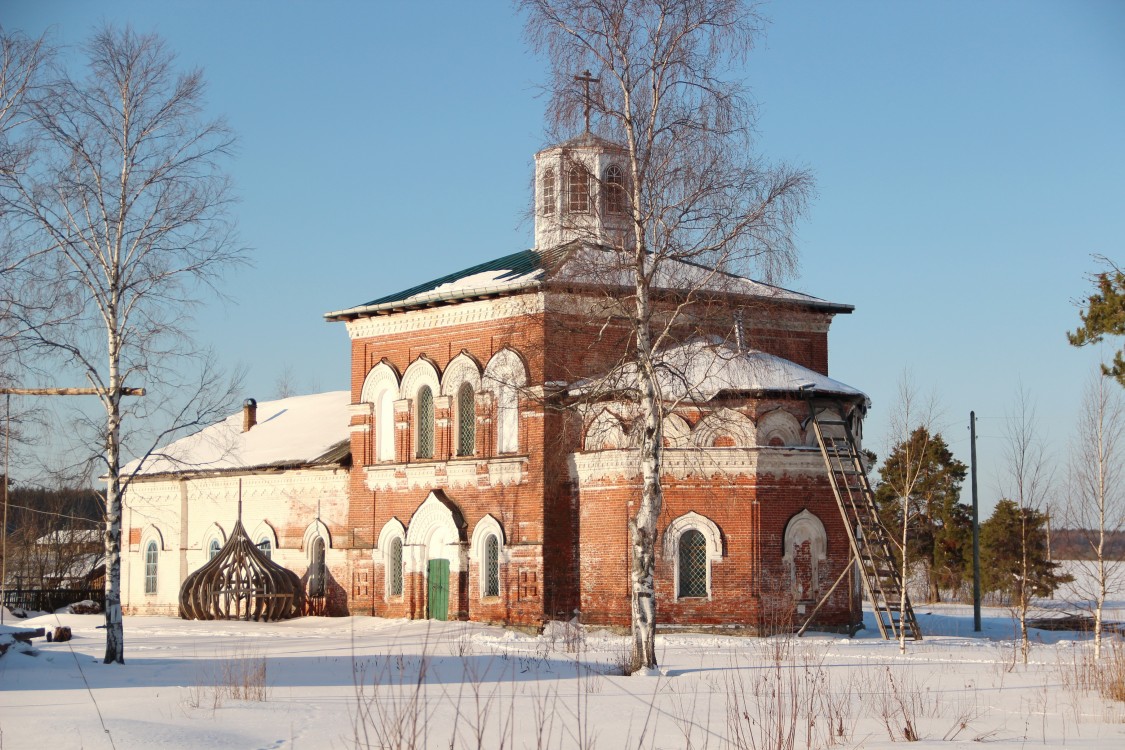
(613, 188)
(547, 192)
(380, 389)
(152, 560)
(392, 551)
(424, 423)
(505, 376)
(466, 420)
(692, 544)
(487, 551)
(213, 549)
(578, 189)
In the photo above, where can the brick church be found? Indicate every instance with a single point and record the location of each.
(479, 469)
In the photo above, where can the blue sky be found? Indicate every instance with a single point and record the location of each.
(970, 158)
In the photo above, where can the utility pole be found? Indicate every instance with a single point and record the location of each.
(8, 393)
(976, 522)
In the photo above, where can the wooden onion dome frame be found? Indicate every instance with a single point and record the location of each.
(241, 583)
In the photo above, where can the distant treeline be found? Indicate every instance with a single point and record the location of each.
(1074, 544)
(38, 508)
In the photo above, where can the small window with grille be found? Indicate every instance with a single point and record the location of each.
(614, 186)
(547, 194)
(151, 557)
(491, 584)
(394, 585)
(266, 547)
(466, 421)
(578, 192)
(692, 565)
(425, 416)
(213, 549)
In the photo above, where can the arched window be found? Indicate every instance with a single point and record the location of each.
(318, 571)
(213, 549)
(578, 190)
(394, 568)
(547, 192)
(151, 557)
(505, 375)
(266, 547)
(692, 564)
(490, 583)
(614, 187)
(425, 423)
(466, 421)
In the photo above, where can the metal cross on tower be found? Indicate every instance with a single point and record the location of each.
(586, 79)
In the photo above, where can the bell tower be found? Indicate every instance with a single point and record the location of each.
(581, 193)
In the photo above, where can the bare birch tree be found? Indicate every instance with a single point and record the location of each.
(912, 425)
(1028, 484)
(1095, 500)
(118, 214)
(698, 207)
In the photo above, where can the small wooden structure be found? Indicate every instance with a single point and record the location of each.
(240, 583)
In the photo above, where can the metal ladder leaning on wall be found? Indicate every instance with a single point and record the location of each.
(870, 544)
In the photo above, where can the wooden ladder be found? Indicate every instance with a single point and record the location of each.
(870, 543)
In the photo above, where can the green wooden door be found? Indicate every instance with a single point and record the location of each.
(438, 600)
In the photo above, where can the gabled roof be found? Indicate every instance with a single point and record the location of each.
(571, 263)
(296, 432)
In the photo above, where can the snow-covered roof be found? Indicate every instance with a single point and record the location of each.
(71, 536)
(296, 431)
(700, 370)
(572, 263)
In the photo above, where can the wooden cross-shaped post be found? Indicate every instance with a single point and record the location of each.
(8, 393)
(586, 79)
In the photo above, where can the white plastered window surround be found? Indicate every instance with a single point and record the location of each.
(605, 433)
(462, 370)
(151, 537)
(779, 427)
(712, 537)
(505, 376)
(214, 533)
(485, 528)
(381, 389)
(392, 531)
(421, 374)
(677, 432)
(722, 425)
(264, 532)
(805, 527)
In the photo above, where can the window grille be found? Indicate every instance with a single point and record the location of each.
(266, 547)
(151, 557)
(425, 422)
(614, 184)
(213, 549)
(395, 564)
(466, 421)
(693, 564)
(491, 566)
(579, 190)
(548, 194)
(317, 571)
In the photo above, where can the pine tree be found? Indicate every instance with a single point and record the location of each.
(940, 535)
(1104, 314)
(1002, 554)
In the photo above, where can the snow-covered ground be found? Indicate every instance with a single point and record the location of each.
(367, 682)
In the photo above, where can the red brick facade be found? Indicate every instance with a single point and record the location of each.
(559, 512)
